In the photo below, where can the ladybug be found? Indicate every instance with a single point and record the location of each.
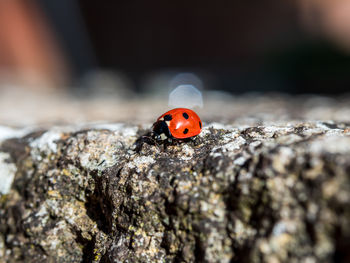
(178, 124)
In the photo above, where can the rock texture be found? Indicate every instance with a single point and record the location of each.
(268, 193)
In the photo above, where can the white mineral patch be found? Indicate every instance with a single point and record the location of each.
(129, 131)
(205, 131)
(331, 144)
(42, 211)
(240, 161)
(321, 128)
(7, 173)
(7, 132)
(141, 162)
(271, 130)
(217, 125)
(47, 142)
(105, 160)
(234, 145)
(118, 128)
(54, 241)
(85, 160)
(106, 126)
(230, 136)
(230, 147)
(239, 228)
(188, 152)
(279, 228)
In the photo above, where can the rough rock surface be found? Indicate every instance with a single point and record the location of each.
(269, 193)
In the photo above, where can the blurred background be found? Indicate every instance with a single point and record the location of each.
(86, 60)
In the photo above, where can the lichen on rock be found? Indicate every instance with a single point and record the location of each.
(263, 193)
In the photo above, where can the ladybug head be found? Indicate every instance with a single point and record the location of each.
(160, 131)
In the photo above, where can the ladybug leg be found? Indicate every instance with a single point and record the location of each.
(166, 143)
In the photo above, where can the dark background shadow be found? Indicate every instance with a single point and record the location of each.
(241, 46)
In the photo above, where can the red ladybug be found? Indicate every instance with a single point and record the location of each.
(179, 123)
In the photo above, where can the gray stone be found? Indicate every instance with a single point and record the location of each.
(269, 193)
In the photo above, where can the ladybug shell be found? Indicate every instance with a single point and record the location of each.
(182, 123)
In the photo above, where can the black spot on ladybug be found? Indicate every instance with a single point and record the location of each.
(186, 131)
(200, 125)
(185, 115)
(168, 117)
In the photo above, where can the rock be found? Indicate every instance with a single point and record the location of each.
(269, 193)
